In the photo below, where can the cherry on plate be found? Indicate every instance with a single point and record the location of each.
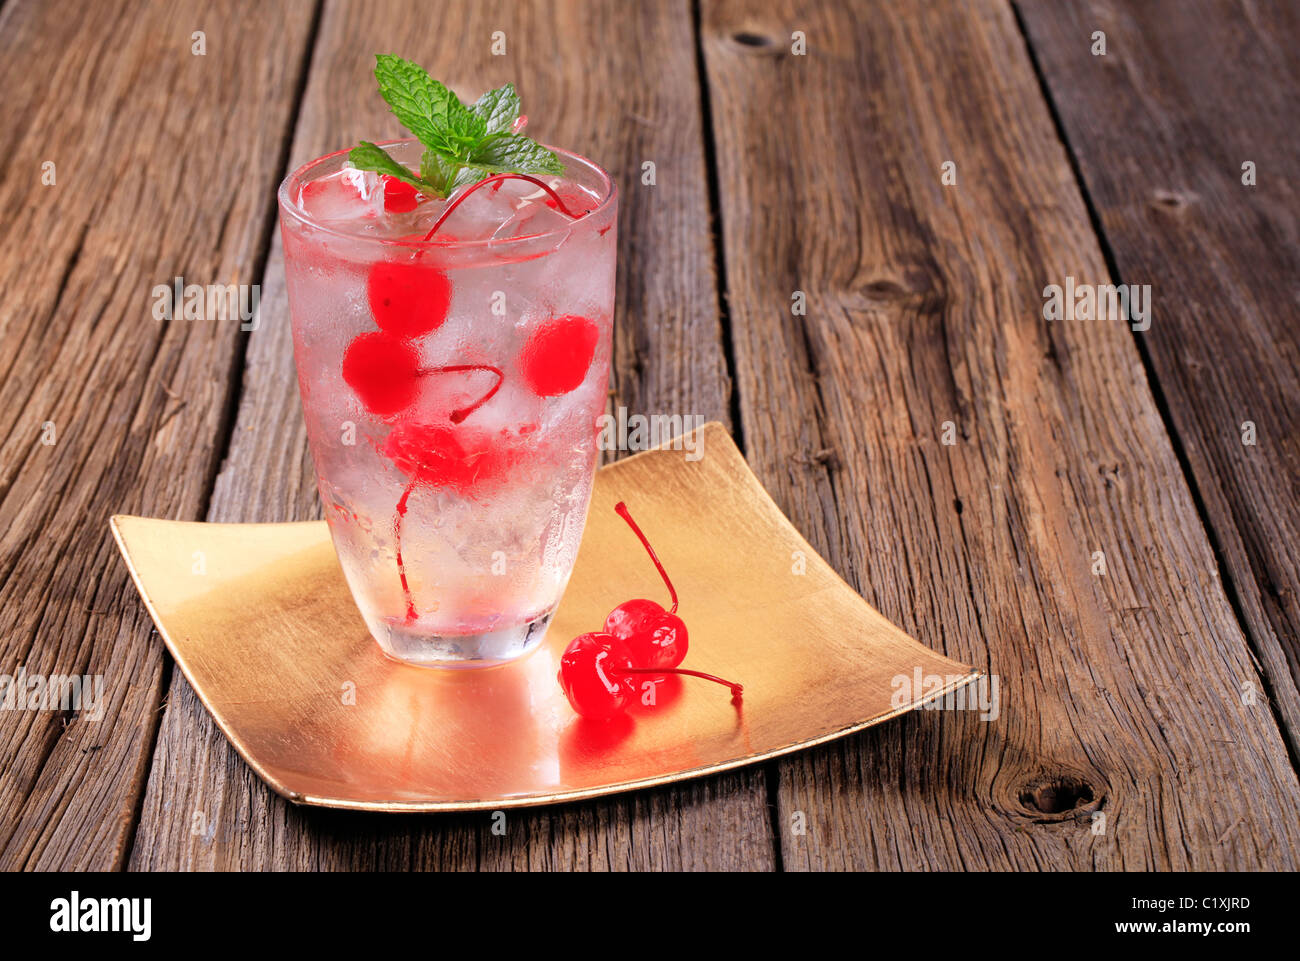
(655, 638)
(599, 677)
(599, 670)
(593, 676)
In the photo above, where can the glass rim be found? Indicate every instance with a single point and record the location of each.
(291, 207)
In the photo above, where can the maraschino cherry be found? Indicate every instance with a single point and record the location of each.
(654, 637)
(383, 370)
(399, 196)
(592, 675)
(598, 676)
(438, 455)
(408, 298)
(558, 355)
(598, 670)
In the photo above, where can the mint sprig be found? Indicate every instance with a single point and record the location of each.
(498, 109)
(368, 156)
(462, 144)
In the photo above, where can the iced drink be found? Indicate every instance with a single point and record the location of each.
(451, 388)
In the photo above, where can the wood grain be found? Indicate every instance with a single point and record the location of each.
(163, 162)
(1121, 693)
(1201, 89)
(618, 84)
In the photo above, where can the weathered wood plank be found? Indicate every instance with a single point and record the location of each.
(1161, 126)
(1120, 693)
(668, 358)
(163, 163)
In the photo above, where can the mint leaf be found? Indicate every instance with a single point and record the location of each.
(438, 171)
(446, 174)
(515, 153)
(420, 102)
(464, 128)
(367, 156)
(499, 109)
(463, 144)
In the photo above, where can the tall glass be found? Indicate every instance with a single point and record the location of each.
(451, 389)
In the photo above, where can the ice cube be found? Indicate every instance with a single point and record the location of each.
(476, 217)
(531, 217)
(347, 195)
(443, 392)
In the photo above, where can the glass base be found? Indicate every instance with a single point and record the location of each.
(408, 644)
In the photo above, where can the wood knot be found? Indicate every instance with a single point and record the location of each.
(747, 39)
(885, 290)
(1172, 200)
(824, 457)
(910, 289)
(1058, 797)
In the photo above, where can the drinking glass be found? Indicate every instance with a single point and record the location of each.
(451, 388)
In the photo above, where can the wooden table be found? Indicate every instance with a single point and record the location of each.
(1076, 507)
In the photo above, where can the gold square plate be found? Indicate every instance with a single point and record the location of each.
(268, 635)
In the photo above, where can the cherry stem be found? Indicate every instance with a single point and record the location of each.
(460, 414)
(736, 689)
(497, 178)
(622, 510)
(456, 417)
(397, 537)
